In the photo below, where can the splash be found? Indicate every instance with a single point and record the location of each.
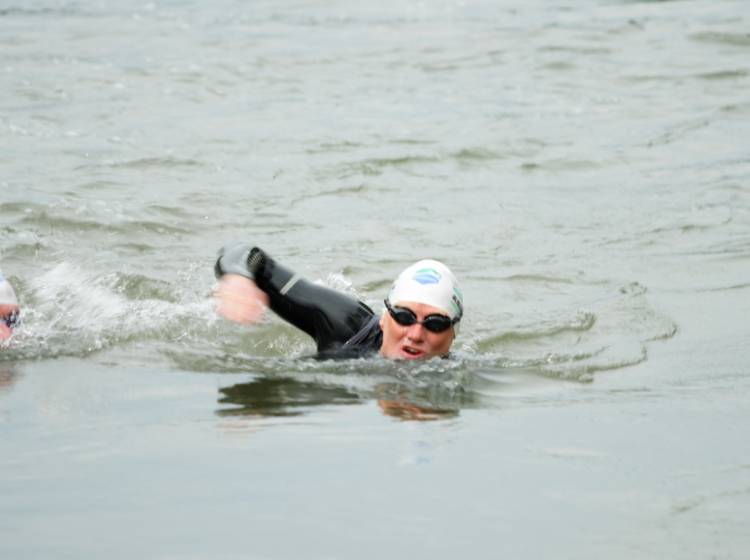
(69, 311)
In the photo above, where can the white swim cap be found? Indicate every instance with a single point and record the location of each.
(7, 295)
(429, 282)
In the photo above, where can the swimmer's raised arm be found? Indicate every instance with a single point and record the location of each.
(237, 296)
(247, 274)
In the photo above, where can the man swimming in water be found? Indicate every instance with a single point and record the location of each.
(9, 309)
(423, 307)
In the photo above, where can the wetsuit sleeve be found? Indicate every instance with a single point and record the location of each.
(330, 317)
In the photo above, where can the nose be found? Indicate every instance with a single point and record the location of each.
(415, 332)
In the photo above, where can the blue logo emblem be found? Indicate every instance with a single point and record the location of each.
(427, 276)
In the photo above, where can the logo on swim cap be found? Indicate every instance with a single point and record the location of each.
(427, 276)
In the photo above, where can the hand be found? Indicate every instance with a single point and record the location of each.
(239, 299)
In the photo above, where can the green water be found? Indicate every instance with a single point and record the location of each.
(581, 167)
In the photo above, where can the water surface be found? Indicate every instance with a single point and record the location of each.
(583, 169)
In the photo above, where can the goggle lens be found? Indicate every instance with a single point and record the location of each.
(11, 321)
(406, 317)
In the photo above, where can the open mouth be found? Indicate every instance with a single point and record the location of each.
(411, 353)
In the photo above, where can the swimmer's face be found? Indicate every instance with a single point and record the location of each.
(414, 342)
(6, 312)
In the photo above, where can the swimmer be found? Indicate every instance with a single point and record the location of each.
(9, 310)
(421, 318)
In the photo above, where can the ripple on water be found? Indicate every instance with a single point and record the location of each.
(65, 221)
(62, 10)
(557, 165)
(148, 163)
(723, 38)
(610, 333)
(734, 74)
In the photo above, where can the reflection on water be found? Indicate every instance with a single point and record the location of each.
(283, 396)
(8, 376)
(406, 410)
(287, 396)
(424, 401)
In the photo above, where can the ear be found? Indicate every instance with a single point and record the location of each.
(382, 322)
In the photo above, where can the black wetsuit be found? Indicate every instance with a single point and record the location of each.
(341, 325)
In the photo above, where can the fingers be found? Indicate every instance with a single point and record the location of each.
(239, 299)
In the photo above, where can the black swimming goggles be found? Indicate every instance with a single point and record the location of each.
(434, 323)
(11, 321)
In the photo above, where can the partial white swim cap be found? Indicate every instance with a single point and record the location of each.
(7, 295)
(429, 282)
